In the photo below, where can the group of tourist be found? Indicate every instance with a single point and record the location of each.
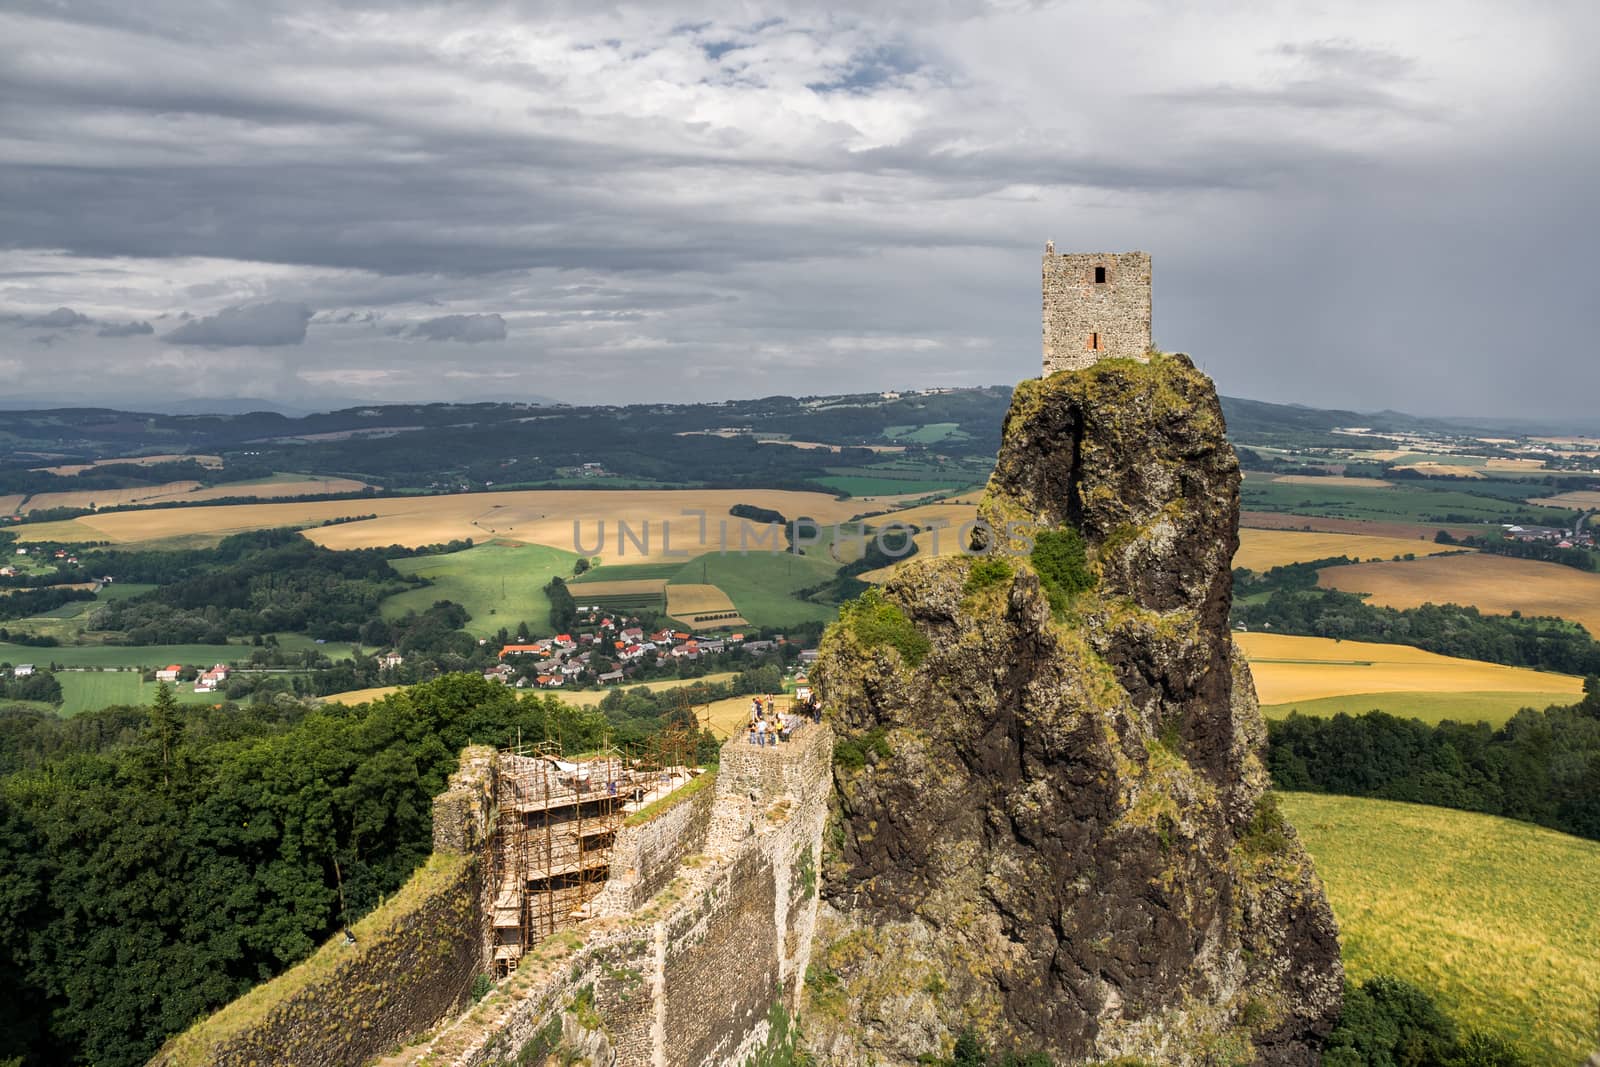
(768, 725)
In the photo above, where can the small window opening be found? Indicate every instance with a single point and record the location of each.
(1099, 275)
(1094, 341)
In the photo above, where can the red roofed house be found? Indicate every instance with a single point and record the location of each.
(169, 674)
(520, 650)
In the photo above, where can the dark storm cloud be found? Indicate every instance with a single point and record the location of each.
(262, 325)
(469, 328)
(1379, 205)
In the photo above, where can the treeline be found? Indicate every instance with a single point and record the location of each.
(24, 603)
(286, 583)
(155, 864)
(1297, 606)
(1577, 558)
(39, 686)
(21, 479)
(1541, 767)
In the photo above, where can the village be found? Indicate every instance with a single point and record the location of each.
(610, 649)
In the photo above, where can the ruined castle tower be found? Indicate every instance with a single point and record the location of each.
(1096, 306)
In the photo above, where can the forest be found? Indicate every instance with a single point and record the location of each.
(155, 863)
(1287, 600)
(1541, 767)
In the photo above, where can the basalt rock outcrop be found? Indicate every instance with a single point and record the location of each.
(1051, 822)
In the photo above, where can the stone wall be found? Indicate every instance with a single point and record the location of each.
(1086, 321)
(689, 977)
(412, 963)
(647, 856)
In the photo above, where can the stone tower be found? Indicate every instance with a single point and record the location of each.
(1096, 306)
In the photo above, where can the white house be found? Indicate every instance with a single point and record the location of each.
(22, 670)
(169, 674)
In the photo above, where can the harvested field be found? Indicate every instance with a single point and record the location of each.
(9, 504)
(108, 498)
(1278, 520)
(544, 517)
(1578, 498)
(1495, 584)
(189, 491)
(213, 463)
(1443, 470)
(1499, 463)
(1495, 917)
(1261, 550)
(1332, 481)
(588, 698)
(360, 696)
(695, 605)
(1288, 669)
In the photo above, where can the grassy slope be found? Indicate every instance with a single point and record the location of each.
(762, 584)
(1499, 918)
(153, 656)
(500, 585)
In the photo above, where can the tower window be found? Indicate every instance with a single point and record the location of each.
(1094, 342)
(1099, 275)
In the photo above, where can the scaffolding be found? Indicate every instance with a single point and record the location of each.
(555, 824)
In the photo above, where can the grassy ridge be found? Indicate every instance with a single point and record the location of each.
(1498, 918)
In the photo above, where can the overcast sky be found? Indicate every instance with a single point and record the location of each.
(1372, 205)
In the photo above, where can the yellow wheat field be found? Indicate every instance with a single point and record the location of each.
(690, 602)
(1310, 668)
(543, 517)
(1261, 550)
(9, 504)
(1494, 584)
(190, 492)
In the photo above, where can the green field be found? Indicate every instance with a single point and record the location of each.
(928, 433)
(1402, 503)
(500, 585)
(628, 572)
(1498, 919)
(153, 656)
(1489, 707)
(762, 585)
(92, 690)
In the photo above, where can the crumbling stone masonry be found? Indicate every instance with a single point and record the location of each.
(1096, 306)
(688, 975)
